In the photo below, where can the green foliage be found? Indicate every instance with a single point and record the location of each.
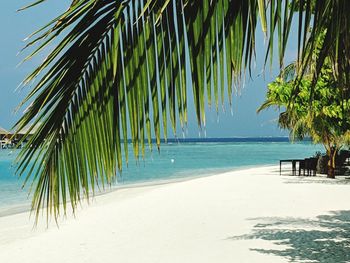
(317, 110)
(120, 69)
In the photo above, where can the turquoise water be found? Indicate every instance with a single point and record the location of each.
(176, 160)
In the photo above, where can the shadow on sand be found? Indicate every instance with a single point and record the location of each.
(323, 239)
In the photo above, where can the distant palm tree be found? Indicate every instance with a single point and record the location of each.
(122, 64)
(317, 110)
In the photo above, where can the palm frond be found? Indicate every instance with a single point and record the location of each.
(120, 69)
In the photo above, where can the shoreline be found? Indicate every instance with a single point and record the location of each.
(25, 208)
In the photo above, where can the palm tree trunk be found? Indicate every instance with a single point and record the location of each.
(331, 163)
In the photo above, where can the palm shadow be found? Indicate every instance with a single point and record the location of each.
(323, 239)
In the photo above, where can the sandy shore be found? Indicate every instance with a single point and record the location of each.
(251, 215)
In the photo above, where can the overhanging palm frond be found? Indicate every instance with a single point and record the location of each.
(122, 64)
(331, 23)
(78, 106)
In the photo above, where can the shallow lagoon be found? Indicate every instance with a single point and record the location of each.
(176, 160)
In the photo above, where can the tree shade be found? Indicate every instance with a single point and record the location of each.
(122, 64)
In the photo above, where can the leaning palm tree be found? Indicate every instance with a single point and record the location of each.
(120, 68)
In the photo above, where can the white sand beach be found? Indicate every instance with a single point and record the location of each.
(251, 215)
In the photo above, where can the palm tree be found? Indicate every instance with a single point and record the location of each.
(318, 110)
(122, 64)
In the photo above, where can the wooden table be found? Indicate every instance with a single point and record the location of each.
(294, 164)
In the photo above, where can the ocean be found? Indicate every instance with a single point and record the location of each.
(178, 159)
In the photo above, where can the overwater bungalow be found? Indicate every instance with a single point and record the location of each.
(26, 130)
(4, 138)
(9, 140)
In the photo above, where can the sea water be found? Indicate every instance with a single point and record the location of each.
(176, 160)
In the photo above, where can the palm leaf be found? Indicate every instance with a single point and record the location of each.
(119, 70)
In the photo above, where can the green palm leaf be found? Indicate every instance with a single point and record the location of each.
(120, 68)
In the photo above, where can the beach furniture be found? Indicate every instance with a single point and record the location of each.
(311, 166)
(342, 160)
(302, 166)
(294, 164)
(308, 166)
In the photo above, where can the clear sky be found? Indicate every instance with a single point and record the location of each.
(243, 121)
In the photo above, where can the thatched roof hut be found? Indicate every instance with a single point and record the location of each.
(4, 131)
(26, 129)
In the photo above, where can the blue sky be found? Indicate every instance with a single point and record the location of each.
(242, 122)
